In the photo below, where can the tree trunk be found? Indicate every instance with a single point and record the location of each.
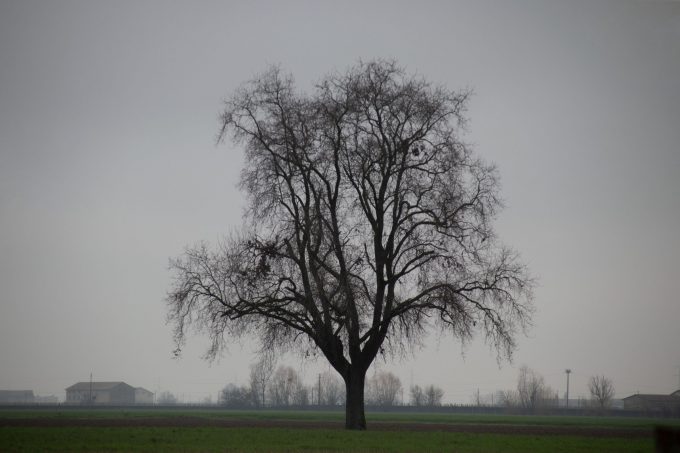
(354, 404)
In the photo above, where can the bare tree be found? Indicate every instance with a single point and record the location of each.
(300, 395)
(369, 221)
(384, 388)
(488, 399)
(601, 390)
(332, 391)
(429, 396)
(507, 398)
(417, 396)
(236, 396)
(260, 374)
(476, 398)
(285, 382)
(433, 396)
(532, 391)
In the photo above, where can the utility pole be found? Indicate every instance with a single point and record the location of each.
(90, 388)
(568, 371)
(318, 395)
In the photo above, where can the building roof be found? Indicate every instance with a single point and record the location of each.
(656, 398)
(142, 389)
(16, 392)
(85, 386)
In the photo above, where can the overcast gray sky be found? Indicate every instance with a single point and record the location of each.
(108, 167)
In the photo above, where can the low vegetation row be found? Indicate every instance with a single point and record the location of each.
(283, 387)
(533, 393)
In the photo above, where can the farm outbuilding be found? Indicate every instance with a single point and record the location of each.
(653, 403)
(143, 396)
(100, 393)
(16, 397)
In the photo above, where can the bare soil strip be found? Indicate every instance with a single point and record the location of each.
(198, 422)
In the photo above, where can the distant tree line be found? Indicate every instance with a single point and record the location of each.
(532, 393)
(428, 396)
(282, 386)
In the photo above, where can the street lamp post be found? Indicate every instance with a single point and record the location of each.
(568, 371)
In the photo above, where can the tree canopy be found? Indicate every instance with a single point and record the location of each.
(369, 221)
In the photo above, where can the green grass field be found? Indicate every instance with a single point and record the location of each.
(216, 439)
(292, 440)
(415, 417)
